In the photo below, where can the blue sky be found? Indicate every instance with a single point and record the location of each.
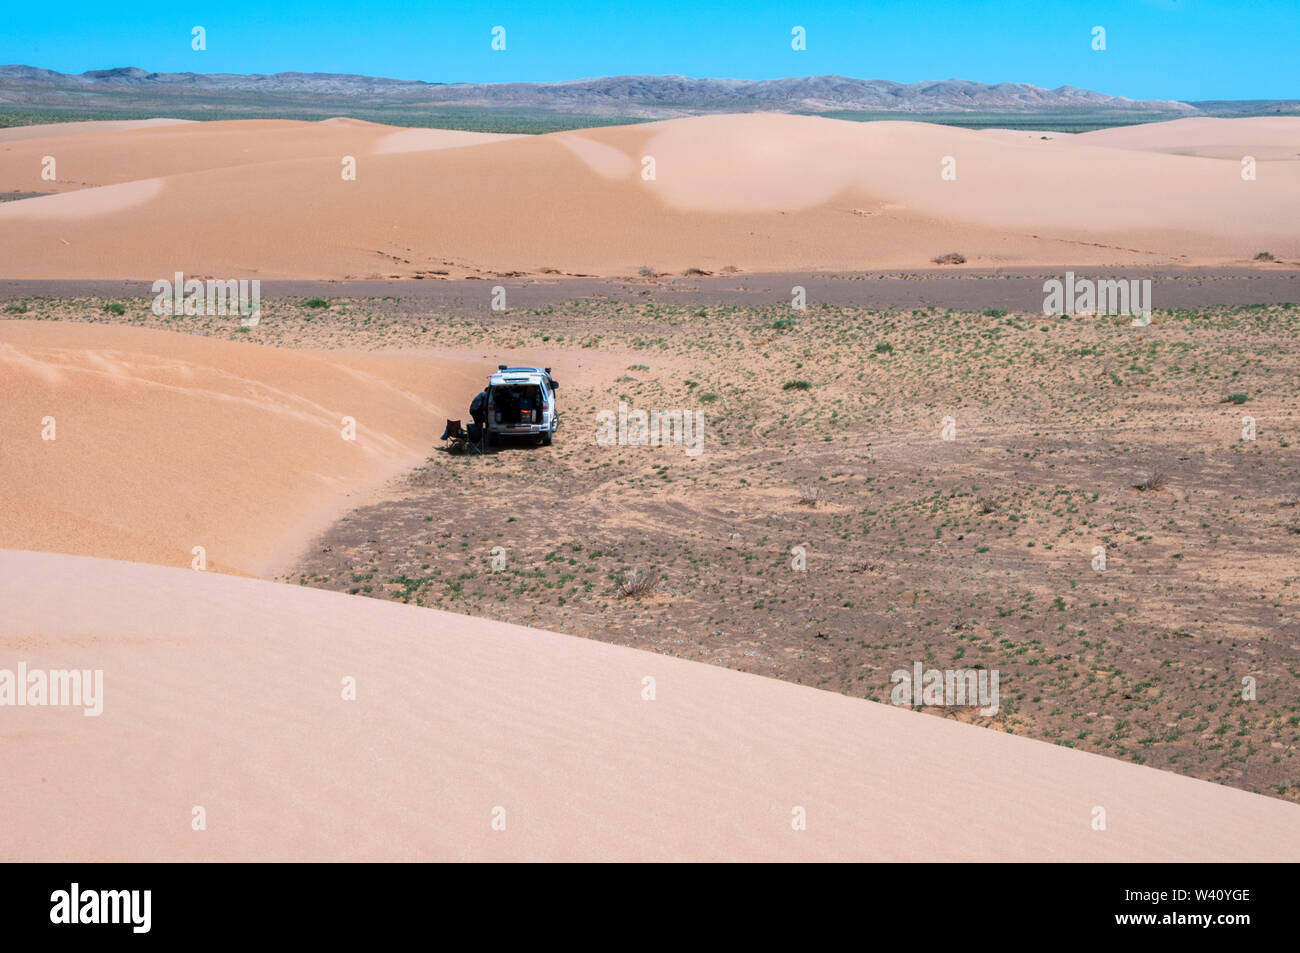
(1156, 49)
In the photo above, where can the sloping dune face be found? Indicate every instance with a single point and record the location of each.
(88, 203)
(1266, 137)
(223, 708)
(428, 140)
(755, 192)
(59, 130)
(143, 445)
(89, 155)
(792, 162)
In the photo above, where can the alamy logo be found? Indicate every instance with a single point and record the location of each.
(1088, 296)
(950, 687)
(655, 428)
(193, 297)
(133, 907)
(58, 688)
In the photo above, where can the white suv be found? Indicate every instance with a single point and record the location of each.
(521, 403)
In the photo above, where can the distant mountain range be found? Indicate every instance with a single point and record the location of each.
(129, 90)
(651, 95)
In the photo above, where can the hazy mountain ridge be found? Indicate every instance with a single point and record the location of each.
(638, 96)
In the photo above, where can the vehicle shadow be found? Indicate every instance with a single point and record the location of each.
(497, 445)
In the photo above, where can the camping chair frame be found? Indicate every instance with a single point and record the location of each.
(458, 439)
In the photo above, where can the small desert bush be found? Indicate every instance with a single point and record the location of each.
(637, 586)
(1265, 256)
(811, 495)
(1156, 481)
(115, 308)
(19, 308)
(951, 258)
(315, 303)
(796, 385)
(696, 273)
(1236, 398)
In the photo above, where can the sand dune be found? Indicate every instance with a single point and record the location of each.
(164, 442)
(99, 154)
(1266, 137)
(87, 203)
(167, 441)
(754, 192)
(57, 130)
(428, 140)
(226, 694)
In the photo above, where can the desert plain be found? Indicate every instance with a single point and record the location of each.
(341, 642)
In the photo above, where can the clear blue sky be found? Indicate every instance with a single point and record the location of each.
(1156, 49)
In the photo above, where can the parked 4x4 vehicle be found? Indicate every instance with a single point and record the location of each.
(521, 403)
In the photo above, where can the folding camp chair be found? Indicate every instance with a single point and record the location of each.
(476, 438)
(455, 438)
(460, 440)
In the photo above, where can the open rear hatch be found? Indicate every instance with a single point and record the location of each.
(517, 405)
